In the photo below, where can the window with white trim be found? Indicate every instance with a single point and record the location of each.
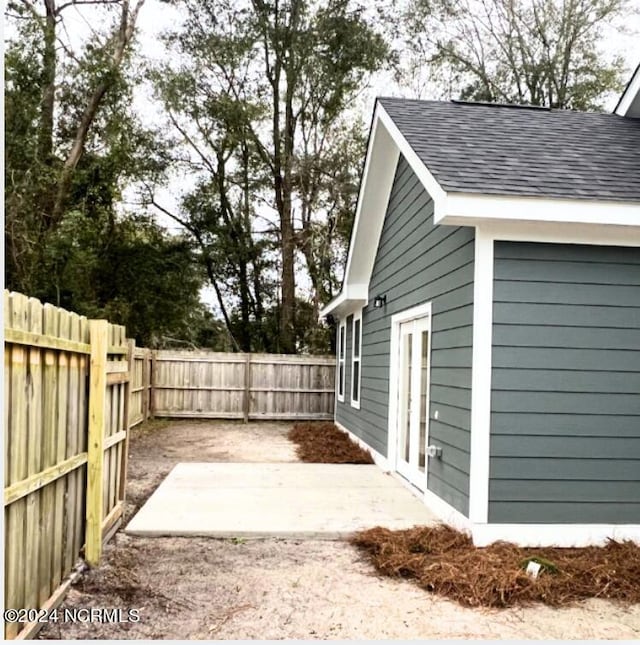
(342, 336)
(355, 360)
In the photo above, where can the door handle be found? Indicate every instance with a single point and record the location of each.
(434, 451)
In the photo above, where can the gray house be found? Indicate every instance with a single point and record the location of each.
(489, 318)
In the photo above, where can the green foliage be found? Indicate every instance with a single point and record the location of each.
(96, 259)
(128, 270)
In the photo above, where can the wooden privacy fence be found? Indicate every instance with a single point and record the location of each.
(73, 389)
(242, 386)
(65, 447)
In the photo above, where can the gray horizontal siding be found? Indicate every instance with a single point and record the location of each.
(565, 422)
(418, 262)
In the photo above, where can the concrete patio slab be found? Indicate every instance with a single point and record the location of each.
(294, 500)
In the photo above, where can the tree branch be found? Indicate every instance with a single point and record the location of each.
(123, 38)
(209, 267)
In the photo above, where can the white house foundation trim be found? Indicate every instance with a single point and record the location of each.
(483, 534)
(562, 535)
(447, 513)
(379, 460)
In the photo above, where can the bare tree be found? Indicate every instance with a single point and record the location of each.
(538, 52)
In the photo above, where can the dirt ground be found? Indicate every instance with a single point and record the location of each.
(195, 588)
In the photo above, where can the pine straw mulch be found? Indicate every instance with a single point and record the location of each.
(444, 561)
(324, 443)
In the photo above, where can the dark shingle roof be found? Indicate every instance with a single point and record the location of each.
(500, 150)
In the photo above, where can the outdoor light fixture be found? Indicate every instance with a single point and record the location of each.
(379, 301)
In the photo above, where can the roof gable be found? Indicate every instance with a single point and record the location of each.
(488, 166)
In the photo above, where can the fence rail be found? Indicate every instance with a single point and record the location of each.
(242, 386)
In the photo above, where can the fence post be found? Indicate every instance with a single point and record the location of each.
(146, 383)
(131, 350)
(99, 337)
(153, 377)
(246, 404)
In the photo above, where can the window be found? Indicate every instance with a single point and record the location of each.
(355, 365)
(342, 333)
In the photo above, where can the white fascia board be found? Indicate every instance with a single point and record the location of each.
(596, 234)
(430, 183)
(464, 209)
(386, 144)
(374, 164)
(350, 299)
(375, 188)
(331, 308)
(629, 103)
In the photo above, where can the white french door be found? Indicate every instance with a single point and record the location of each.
(414, 340)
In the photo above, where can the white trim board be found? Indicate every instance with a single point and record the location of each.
(557, 233)
(418, 311)
(380, 460)
(350, 299)
(341, 360)
(357, 317)
(562, 535)
(481, 365)
(464, 209)
(447, 513)
(443, 510)
(629, 103)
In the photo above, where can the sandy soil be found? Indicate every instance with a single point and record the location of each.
(194, 588)
(157, 446)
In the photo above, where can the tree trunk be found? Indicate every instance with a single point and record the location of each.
(122, 38)
(288, 311)
(283, 205)
(45, 130)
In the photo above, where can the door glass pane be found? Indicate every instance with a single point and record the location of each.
(341, 379)
(356, 381)
(424, 384)
(356, 338)
(341, 347)
(405, 401)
